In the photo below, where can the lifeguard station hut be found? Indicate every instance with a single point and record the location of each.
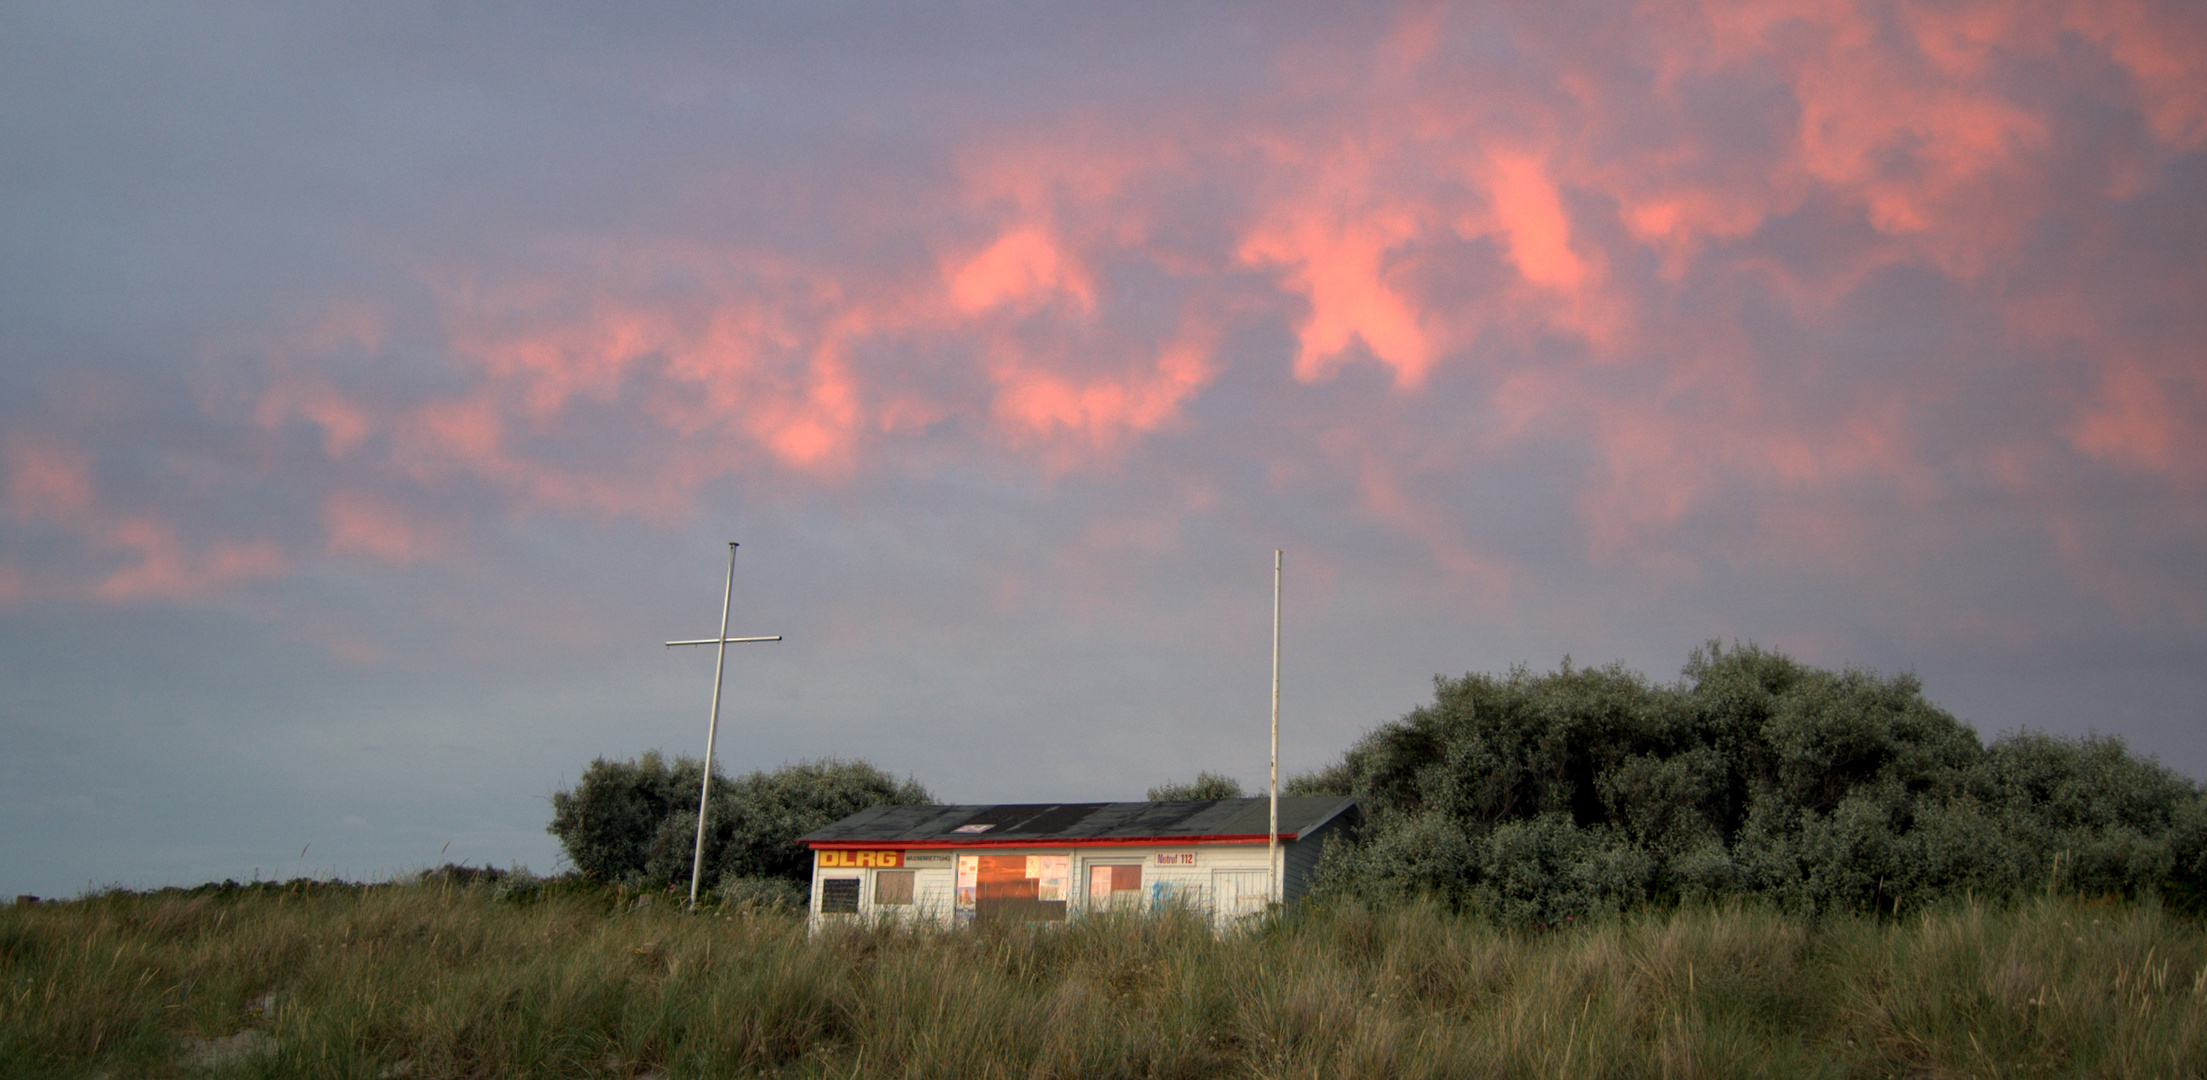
(1047, 862)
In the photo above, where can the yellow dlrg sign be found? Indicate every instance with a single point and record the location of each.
(872, 860)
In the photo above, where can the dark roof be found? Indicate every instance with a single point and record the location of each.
(1181, 821)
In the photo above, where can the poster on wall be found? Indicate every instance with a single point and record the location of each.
(1049, 872)
(969, 880)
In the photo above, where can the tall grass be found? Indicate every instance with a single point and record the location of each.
(430, 981)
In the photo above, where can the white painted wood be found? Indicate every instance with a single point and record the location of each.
(1239, 895)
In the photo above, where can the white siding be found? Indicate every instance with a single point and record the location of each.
(931, 896)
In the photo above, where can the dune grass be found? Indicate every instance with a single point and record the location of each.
(433, 980)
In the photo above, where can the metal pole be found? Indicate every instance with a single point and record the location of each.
(712, 729)
(1273, 834)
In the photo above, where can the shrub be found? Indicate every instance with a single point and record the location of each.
(762, 894)
(757, 819)
(1534, 797)
(635, 822)
(1331, 780)
(1548, 869)
(609, 822)
(1206, 785)
(519, 886)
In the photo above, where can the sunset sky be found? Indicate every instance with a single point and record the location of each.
(380, 385)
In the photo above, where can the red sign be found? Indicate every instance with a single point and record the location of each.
(869, 859)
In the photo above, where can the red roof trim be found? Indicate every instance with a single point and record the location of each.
(1040, 842)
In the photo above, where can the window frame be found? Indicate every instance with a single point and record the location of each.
(827, 883)
(911, 887)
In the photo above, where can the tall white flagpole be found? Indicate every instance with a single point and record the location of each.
(712, 725)
(1273, 834)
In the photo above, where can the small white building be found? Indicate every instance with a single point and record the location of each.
(1048, 862)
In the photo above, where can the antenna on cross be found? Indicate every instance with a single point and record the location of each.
(712, 726)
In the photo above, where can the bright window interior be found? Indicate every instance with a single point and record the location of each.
(1021, 887)
(1115, 885)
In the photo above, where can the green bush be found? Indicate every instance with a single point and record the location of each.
(519, 887)
(634, 823)
(765, 894)
(1331, 780)
(1206, 785)
(1544, 870)
(1539, 797)
(757, 818)
(609, 823)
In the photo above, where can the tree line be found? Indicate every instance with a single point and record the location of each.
(634, 823)
(1538, 798)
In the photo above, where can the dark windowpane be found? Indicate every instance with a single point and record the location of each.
(839, 896)
(892, 887)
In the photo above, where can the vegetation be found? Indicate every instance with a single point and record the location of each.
(450, 978)
(634, 823)
(1533, 799)
(1540, 798)
(1764, 869)
(1206, 785)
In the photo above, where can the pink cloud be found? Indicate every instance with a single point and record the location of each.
(1041, 403)
(1642, 241)
(2164, 48)
(48, 478)
(1022, 266)
(50, 484)
(360, 524)
(1529, 212)
(1337, 261)
(165, 568)
(2136, 419)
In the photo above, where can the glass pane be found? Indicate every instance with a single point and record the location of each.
(1020, 887)
(1115, 886)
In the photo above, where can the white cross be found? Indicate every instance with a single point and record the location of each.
(712, 726)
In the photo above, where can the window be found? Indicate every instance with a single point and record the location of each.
(1020, 888)
(1115, 885)
(839, 896)
(892, 887)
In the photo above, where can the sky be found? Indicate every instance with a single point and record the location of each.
(380, 386)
